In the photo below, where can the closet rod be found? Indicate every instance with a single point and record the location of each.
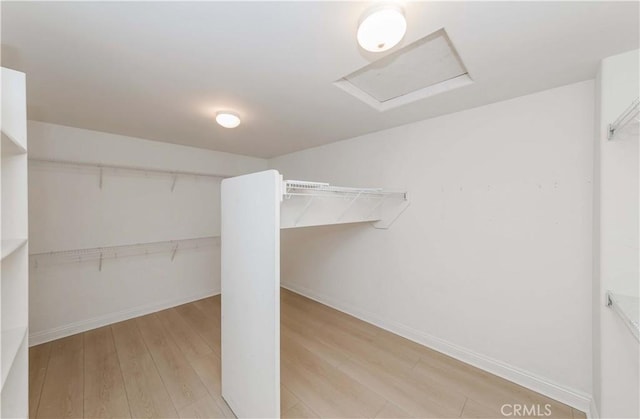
(124, 167)
(631, 114)
(112, 252)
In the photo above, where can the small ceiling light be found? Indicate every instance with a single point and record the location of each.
(228, 119)
(382, 28)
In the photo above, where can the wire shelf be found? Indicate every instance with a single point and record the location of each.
(124, 168)
(303, 188)
(113, 252)
(317, 203)
(631, 116)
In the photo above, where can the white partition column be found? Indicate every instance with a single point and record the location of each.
(250, 258)
(254, 208)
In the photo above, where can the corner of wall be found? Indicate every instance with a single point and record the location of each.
(596, 306)
(592, 412)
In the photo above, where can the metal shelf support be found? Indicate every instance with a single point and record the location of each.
(630, 115)
(628, 309)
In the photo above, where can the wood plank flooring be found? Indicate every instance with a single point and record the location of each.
(167, 365)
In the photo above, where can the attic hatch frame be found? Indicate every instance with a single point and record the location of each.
(254, 208)
(452, 82)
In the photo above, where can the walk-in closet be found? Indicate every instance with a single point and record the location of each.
(320, 209)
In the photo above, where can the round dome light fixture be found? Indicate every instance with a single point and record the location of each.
(382, 28)
(227, 119)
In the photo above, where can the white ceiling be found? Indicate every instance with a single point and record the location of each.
(160, 70)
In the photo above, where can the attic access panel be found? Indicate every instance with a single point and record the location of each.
(426, 67)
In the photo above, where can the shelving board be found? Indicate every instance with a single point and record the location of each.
(14, 108)
(12, 340)
(11, 245)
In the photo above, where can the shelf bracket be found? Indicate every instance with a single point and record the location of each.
(100, 264)
(353, 200)
(304, 210)
(173, 185)
(175, 250)
(378, 205)
(100, 177)
(631, 114)
(389, 219)
(625, 307)
(285, 189)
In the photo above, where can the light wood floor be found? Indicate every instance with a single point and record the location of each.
(167, 364)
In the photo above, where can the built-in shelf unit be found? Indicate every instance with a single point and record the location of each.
(14, 267)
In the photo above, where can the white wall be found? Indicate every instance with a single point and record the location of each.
(68, 210)
(491, 262)
(617, 353)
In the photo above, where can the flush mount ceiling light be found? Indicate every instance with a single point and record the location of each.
(382, 28)
(228, 119)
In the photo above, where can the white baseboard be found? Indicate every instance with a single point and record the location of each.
(110, 318)
(568, 396)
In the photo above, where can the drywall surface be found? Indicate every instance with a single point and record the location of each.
(617, 368)
(75, 144)
(70, 210)
(250, 229)
(491, 262)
